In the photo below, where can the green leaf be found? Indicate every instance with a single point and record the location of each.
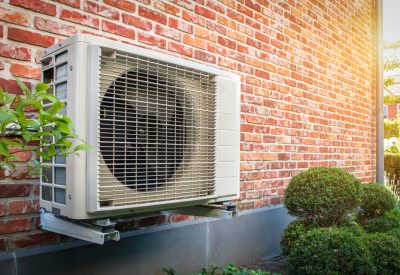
(4, 149)
(22, 86)
(57, 106)
(34, 124)
(2, 96)
(82, 147)
(14, 143)
(28, 102)
(51, 150)
(63, 127)
(41, 87)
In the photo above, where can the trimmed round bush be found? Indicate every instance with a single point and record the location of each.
(390, 220)
(323, 195)
(291, 234)
(385, 252)
(330, 251)
(376, 199)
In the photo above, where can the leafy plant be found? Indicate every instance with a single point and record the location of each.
(230, 269)
(392, 171)
(388, 221)
(376, 199)
(385, 252)
(330, 251)
(323, 196)
(391, 128)
(29, 125)
(291, 234)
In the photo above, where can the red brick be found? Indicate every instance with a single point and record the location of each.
(205, 34)
(180, 218)
(3, 246)
(121, 4)
(54, 27)
(188, 51)
(205, 12)
(180, 25)
(2, 209)
(253, 5)
(1, 68)
(226, 42)
(150, 221)
(137, 22)
(101, 10)
(12, 87)
(167, 32)
(187, 4)
(79, 18)
(1, 31)
(36, 5)
(204, 56)
(23, 207)
(15, 225)
(15, 52)
(152, 40)
(245, 11)
(21, 156)
(165, 7)
(194, 18)
(34, 239)
(153, 15)
(263, 37)
(30, 37)
(14, 17)
(118, 30)
(229, 3)
(215, 6)
(72, 3)
(195, 42)
(26, 71)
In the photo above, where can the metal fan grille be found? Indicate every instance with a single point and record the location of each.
(156, 131)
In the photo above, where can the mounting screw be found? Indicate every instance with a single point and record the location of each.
(230, 206)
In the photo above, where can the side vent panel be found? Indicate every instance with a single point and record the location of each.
(156, 131)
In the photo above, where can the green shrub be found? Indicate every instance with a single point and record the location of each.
(330, 251)
(391, 128)
(323, 195)
(395, 232)
(385, 252)
(388, 221)
(354, 228)
(376, 199)
(291, 234)
(392, 171)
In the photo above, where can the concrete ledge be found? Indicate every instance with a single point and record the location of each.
(186, 246)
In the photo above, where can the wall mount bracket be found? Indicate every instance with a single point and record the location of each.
(225, 211)
(95, 234)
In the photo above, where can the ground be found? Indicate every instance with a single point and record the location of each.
(275, 265)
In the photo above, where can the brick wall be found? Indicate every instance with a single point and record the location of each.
(307, 71)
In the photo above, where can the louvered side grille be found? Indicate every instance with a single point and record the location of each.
(156, 131)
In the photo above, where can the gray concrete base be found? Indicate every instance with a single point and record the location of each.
(186, 246)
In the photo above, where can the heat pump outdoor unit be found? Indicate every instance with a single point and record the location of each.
(164, 131)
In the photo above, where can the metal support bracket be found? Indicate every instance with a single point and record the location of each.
(83, 231)
(214, 211)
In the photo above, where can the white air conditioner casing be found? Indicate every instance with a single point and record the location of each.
(165, 131)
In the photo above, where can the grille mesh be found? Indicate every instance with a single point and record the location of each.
(156, 131)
